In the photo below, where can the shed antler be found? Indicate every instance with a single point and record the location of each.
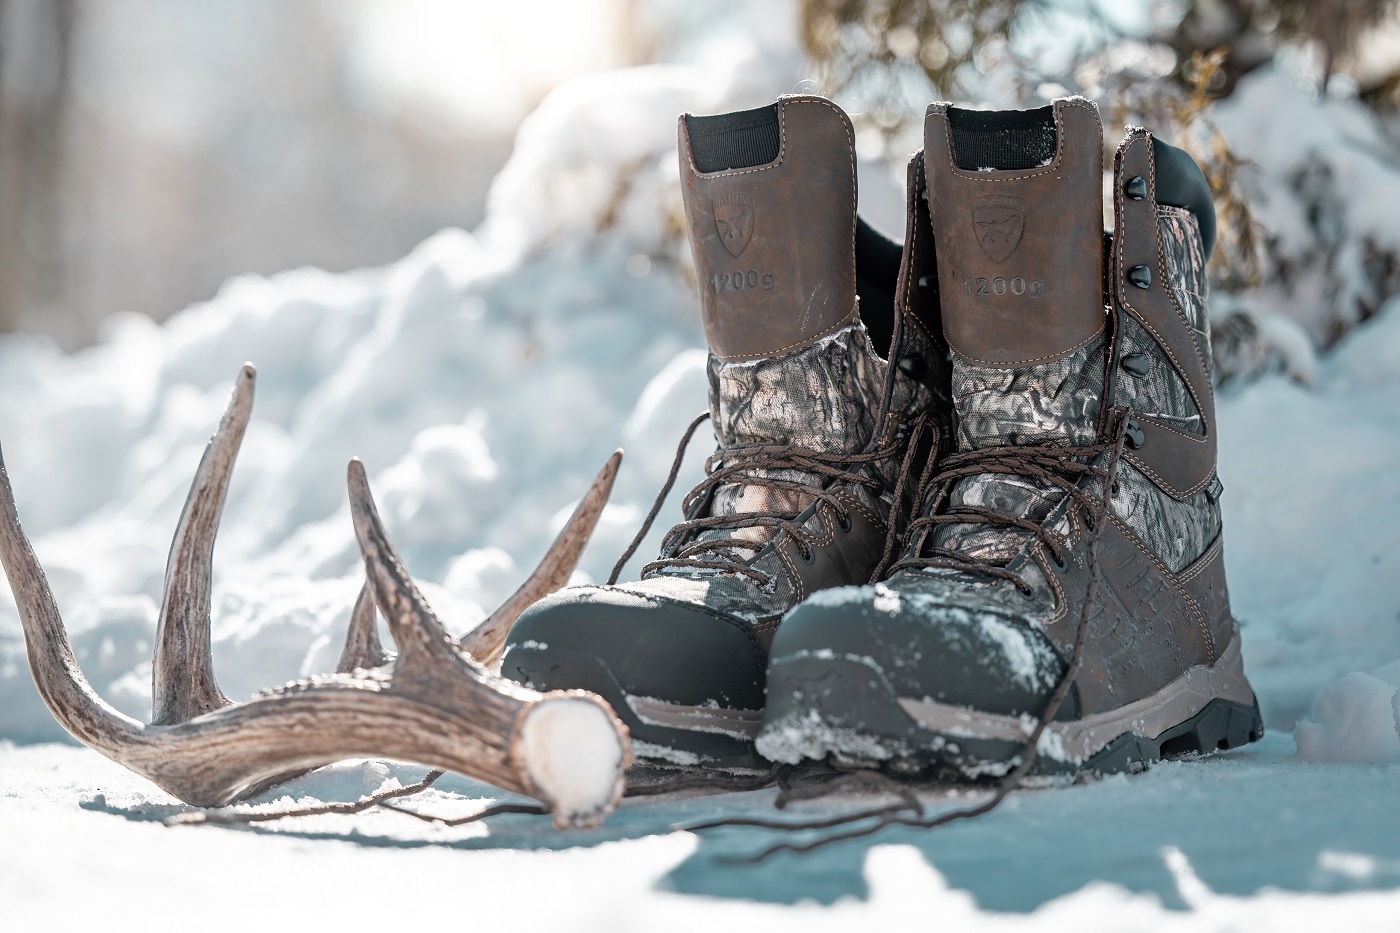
(433, 704)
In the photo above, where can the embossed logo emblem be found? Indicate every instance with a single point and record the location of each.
(999, 221)
(734, 217)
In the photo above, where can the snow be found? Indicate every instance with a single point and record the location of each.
(1305, 848)
(1322, 183)
(1016, 649)
(846, 596)
(483, 379)
(1354, 719)
(798, 737)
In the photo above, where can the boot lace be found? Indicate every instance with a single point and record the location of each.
(761, 466)
(1053, 465)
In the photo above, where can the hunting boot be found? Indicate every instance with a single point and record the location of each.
(813, 428)
(1024, 593)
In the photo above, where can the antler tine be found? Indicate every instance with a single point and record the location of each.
(362, 648)
(183, 684)
(484, 643)
(566, 748)
(415, 627)
(66, 692)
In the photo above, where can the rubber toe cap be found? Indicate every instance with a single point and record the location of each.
(651, 646)
(926, 650)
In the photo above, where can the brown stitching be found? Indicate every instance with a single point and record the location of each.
(1039, 359)
(1037, 554)
(1162, 483)
(1162, 267)
(910, 257)
(850, 149)
(845, 322)
(1170, 577)
(1176, 363)
(1121, 236)
(792, 573)
(1184, 217)
(1166, 485)
(909, 260)
(783, 104)
(826, 523)
(1202, 562)
(782, 153)
(913, 318)
(851, 502)
(1185, 435)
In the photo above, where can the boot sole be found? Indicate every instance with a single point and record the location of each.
(845, 709)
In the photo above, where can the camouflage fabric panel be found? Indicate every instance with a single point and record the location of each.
(911, 397)
(1014, 495)
(1186, 267)
(1177, 532)
(1055, 401)
(1161, 393)
(824, 397)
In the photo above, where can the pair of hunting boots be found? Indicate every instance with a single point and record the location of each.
(965, 488)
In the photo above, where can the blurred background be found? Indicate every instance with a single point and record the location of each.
(150, 149)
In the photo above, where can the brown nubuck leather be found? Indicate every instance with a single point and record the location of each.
(1018, 285)
(774, 244)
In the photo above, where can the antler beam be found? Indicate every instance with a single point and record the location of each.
(433, 704)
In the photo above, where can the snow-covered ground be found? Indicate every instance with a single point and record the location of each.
(483, 380)
(1254, 841)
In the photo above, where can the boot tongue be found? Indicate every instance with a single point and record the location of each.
(1014, 201)
(770, 200)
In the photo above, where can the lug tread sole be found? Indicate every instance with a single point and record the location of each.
(851, 712)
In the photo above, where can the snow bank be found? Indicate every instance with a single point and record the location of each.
(1312, 519)
(1353, 720)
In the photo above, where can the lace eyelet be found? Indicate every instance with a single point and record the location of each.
(807, 555)
(843, 521)
(1060, 562)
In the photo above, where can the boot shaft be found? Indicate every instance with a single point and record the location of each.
(770, 203)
